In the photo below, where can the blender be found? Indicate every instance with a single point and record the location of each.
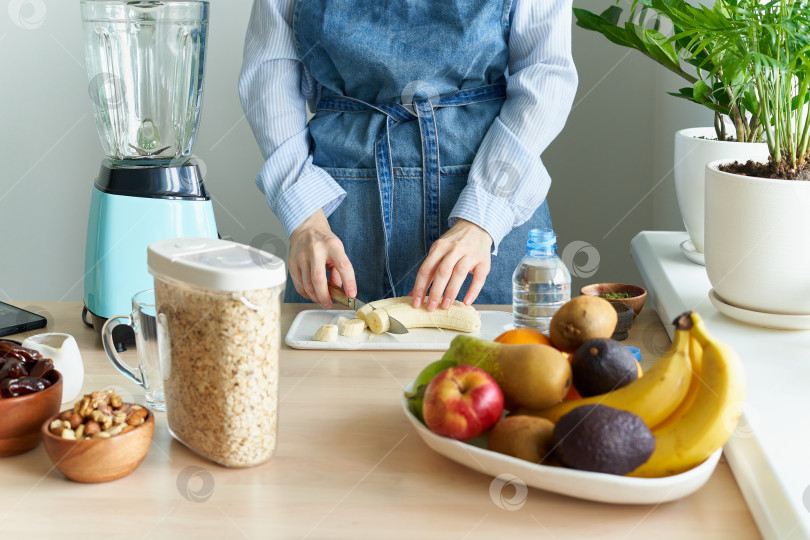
(145, 62)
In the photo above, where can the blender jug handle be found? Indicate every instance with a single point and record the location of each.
(109, 347)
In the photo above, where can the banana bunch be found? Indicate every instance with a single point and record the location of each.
(708, 415)
(458, 316)
(691, 399)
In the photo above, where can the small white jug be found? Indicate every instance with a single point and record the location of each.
(67, 360)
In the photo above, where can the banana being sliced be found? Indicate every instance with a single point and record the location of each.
(377, 304)
(712, 417)
(458, 317)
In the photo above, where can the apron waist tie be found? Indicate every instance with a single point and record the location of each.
(421, 109)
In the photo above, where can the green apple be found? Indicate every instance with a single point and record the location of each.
(417, 394)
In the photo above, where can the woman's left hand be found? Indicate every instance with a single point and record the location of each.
(464, 249)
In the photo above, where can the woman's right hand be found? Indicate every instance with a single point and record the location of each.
(315, 251)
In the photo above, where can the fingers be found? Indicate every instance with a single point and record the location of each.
(440, 279)
(456, 281)
(342, 267)
(318, 279)
(295, 275)
(334, 277)
(424, 276)
(480, 273)
(307, 290)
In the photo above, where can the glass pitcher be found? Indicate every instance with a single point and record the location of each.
(145, 62)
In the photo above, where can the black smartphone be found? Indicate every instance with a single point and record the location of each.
(14, 320)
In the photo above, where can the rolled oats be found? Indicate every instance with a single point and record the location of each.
(221, 369)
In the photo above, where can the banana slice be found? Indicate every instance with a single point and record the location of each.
(352, 327)
(341, 322)
(327, 332)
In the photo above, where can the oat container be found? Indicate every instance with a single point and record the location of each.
(218, 316)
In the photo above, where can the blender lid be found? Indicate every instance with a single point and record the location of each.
(215, 264)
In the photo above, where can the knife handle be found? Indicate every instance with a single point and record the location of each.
(338, 295)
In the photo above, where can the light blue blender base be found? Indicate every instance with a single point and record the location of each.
(119, 230)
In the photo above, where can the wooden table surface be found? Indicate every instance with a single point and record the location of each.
(348, 465)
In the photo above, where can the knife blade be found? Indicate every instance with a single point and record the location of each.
(337, 294)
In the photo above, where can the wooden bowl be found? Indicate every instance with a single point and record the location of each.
(636, 299)
(21, 418)
(99, 460)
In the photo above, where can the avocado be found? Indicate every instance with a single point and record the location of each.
(601, 365)
(599, 438)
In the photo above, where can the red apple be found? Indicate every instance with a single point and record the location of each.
(462, 402)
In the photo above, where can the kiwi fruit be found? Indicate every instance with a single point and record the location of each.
(601, 365)
(523, 437)
(580, 319)
(603, 439)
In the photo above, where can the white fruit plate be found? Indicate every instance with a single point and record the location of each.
(600, 487)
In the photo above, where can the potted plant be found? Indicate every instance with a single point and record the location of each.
(650, 29)
(758, 214)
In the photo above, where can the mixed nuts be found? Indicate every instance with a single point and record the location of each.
(98, 415)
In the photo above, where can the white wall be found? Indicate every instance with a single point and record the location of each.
(606, 165)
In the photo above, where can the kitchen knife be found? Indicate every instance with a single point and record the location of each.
(337, 294)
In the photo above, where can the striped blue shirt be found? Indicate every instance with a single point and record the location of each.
(507, 180)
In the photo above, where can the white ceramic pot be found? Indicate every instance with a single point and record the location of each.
(67, 360)
(758, 241)
(694, 148)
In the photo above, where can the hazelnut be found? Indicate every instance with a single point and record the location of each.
(75, 420)
(91, 428)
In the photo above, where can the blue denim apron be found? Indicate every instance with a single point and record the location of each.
(407, 91)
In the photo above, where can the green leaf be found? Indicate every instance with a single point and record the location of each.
(702, 92)
(591, 21)
(612, 15)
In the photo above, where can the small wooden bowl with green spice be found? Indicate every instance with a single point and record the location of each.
(623, 293)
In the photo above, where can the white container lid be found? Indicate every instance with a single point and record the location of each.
(215, 264)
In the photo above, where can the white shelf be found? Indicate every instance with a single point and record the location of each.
(770, 452)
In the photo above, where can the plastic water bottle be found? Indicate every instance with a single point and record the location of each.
(541, 282)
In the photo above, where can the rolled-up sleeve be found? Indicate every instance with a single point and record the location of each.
(274, 87)
(507, 181)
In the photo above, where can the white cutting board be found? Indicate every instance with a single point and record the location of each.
(306, 323)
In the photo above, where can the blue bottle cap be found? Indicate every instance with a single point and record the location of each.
(541, 238)
(636, 352)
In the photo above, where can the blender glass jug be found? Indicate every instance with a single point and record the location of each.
(145, 62)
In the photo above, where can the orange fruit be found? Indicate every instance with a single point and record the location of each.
(522, 336)
(573, 393)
